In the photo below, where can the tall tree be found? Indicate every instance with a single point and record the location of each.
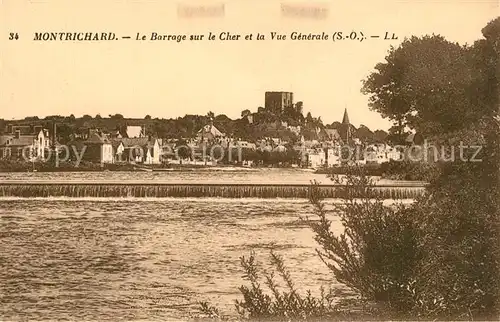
(425, 84)
(245, 113)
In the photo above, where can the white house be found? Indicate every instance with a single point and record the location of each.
(380, 153)
(153, 152)
(138, 150)
(107, 155)
(42, 143)
(333, 157)
(32, 146)
(315, 158)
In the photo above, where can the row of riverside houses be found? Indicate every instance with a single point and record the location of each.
(32, 143)
(130, 147)
(133, 146)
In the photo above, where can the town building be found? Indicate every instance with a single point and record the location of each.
(345, 129)
(332, 157)
(316, 158)
(380, 153)
(333, 135)
(26, 142)
(138, 150)
(96, 148)
(209, 133)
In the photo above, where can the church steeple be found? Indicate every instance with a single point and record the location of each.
(345, 119)
(346, 127)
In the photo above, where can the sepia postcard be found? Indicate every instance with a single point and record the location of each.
(206, 160)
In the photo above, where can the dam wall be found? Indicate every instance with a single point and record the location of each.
(180, 190)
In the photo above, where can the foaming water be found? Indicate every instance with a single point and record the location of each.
(148, 259)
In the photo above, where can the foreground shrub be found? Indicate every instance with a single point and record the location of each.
(379, 251)
(459, 273)
(265, 299)
(376, 256)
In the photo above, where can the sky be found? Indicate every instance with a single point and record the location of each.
(169, 79)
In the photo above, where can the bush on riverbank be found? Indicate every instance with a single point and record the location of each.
(434, 259)
(376, 257)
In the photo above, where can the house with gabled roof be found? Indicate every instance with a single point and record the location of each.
(25, 143)
(209, 133)
(138, 150)
(96, 148)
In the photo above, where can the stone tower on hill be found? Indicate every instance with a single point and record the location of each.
(276, 102)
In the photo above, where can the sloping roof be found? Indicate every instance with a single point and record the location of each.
(23, 129)
(96, 138)
(333, 134)
(346, 133)
(23, 140)
(211, 129)
(142, 142)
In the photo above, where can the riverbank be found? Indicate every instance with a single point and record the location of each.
(20, 166)
(393, 170)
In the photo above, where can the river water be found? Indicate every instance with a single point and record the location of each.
(145, 258)
(203, 175)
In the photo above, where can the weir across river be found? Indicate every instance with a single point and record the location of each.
(154, 189)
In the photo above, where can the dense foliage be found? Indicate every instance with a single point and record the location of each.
(264, 124)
